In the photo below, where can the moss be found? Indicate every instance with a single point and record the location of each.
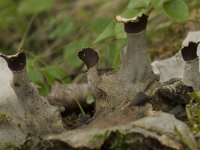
(119, 141)
(3, 117)
(116, 141)
(193, 111)
(10, 146)
(100, 137)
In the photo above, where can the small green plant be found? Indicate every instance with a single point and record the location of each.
(89, 99)
(80, 107)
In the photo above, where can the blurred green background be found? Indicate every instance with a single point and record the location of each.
(51, 32)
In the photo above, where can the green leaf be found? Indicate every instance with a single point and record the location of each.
(135, 8)
(71, 51)
(44, 89)
(62, 29)
(89, 99)
(116, 54)
(158, 3)
(34, 73)
(36, 76)
(99, 24)
(116, 62)
(53, 72)
(130, 13)
(138, 4)
(119, 31)
(7, 14)
(107, 32)
(34, 6)
(112, 52)
(176, 10)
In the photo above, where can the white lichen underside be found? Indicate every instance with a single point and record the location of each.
(9, 105)
(8, 98)
(25, 111)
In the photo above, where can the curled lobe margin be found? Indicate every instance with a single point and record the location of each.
(15, 62)
(89, 57)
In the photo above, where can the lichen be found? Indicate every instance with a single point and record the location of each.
(134, 76)
(21, 104)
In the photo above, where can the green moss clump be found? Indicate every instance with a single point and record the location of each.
(116, 141)
(100, 137)
(10, 146)
(3, 117)
(193, 111)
